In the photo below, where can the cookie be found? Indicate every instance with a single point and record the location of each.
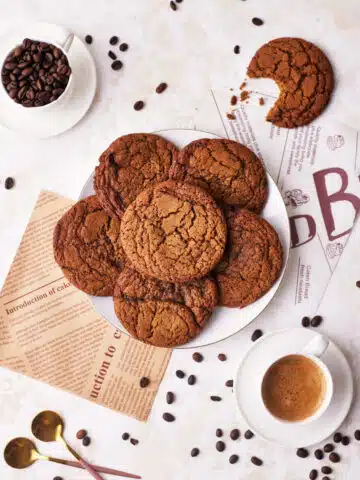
(252, 262)
(130, 164)
(304, 75)
(161, 313)
(87, 247)
(173, 231)
(229, 171)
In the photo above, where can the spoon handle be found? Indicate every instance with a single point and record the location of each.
(85, 464)
(110, 471)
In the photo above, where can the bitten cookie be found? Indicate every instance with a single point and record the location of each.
(161, 313)
(87, 247)
(304, 75)
(228, 170)
(173, 231)
(130, 164)
(252, 262)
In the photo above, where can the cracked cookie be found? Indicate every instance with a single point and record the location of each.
(252, 262)
(304, 75)
(228, 170)
(173, 231)
(130, 164)
(87, 247)
(161, 313)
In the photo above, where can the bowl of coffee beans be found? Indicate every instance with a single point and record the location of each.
(36, 73)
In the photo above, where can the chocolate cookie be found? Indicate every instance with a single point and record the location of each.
(229, 171)
(173, 231)
(130, 164)
(304, 75)
(87, 247)
(252, 262)
(163, 313)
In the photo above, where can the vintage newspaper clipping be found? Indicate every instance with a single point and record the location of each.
(49, 330)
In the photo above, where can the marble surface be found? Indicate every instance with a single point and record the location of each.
(192, 50)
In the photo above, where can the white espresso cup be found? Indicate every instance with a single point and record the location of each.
(313, 350)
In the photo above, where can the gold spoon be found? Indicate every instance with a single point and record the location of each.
(21, 453)
(48, 427)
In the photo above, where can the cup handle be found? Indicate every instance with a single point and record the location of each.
(65, 39)
(317, 346)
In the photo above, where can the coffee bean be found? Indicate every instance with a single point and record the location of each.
(9, 183)
(170, 398)
(229, 383)
(195, 452)
(326, 470)
(257, 21)
(10, 66)
(357, 435)
(315, 321)
(256, 335)
(144, 382)
(57, 478)
(305, 322)
(89, 39)
(114, 40)
(116, 65)
(112, 55)
(237, 49)
(179, 1)
(326, 478)
(17, 51)
(81, 434)
(345, 440)
(319, 454)
(235, 434)
(57, 51)
(134, 441)
(233, 459)
(358, 283)
(125, 436)
(302, 452)
(334, 457)
(220, 446)
(180, 374)
(123, 47)
(215, 398)
(86, 441)
(26, 72)
(313, 475)
(13, 93)
(222, 357)
(337, 437)
(28, 103)
(329, 447)
(168, 417)
(192, 380)
(233, 100)
(139, 105)
(256, 461)
(219, 432)
(248, 434)
(173, 5)
(161, 87)
(197, 357)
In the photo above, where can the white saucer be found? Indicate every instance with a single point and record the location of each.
(224, 321)
(249, 400)
(48, 122)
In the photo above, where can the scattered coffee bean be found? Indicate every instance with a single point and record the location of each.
(233, 459)
(195, 452)
(220, 446)
(233, 100)
(123, 47)
(112, 55)
(160, 89)
(89, 39)
(173, 6)
(219, 432)
(237, 49)
(328, 448)
(114, 40)
(337, 437)
(139, 105)
(180, 374)
(57, 478)
(116, 65)
(144, 382)
(313, 475)
(256, 461)
(235, 434)
(319, 454)
(248, 434)
(168, 417)
(215, 398)
(134, 441)
(229, 383)
(9, 183)
(81, 434)
(326, 478)
(326, 470)
(125, 436)
(305, 322)
(334, 457)
(197, 357)
(357, 435)
(170, 398)
(86, 441)
(222, 357)
(179, 1)
(256, 335)
(358, 283)
(302, 452)
(257, 21)
(192, 380)
(315, 321)
(345, 440)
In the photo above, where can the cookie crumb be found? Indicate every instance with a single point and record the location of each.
(230, 116)
(243, 85)
(244, 95)
(261, 101)
(233, 100)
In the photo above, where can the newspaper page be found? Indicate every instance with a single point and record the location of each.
(50, 331)
(315, 168)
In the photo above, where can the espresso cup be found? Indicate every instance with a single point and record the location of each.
(298, 387)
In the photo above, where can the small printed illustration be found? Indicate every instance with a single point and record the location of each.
(335, 141)
(334, 249)
(295, 198)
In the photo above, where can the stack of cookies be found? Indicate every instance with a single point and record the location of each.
(171, 234)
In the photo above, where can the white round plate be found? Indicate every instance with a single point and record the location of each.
(248, 396)
(224, 321)
(36, 121)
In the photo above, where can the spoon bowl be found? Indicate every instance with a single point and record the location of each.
(20, 453)
(47, 426)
